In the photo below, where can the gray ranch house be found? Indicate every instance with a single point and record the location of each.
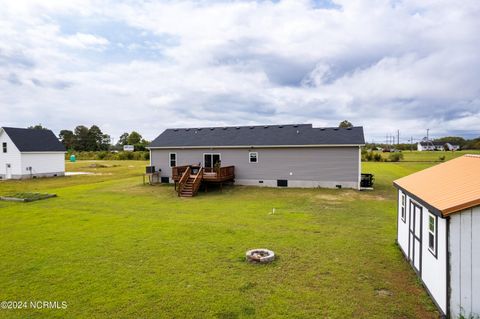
(269, 155)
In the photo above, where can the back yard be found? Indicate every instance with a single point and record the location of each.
(112, 247)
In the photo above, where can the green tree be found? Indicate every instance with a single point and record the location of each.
(67, 138)
(123, 139)
(37, 127)
(81, 138)
(345, 124)
(134, 138)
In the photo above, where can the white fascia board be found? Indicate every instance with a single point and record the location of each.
(256, 146)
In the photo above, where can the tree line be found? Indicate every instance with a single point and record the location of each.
(92, 139)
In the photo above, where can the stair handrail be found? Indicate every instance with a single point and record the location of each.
(197, 181)
(183, 180)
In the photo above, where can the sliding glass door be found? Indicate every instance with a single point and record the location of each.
(210, 159)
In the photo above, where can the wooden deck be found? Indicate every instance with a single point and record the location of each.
(188, 178)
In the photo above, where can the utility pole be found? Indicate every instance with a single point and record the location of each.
(427, 134)
(398, 137)
(411, 143)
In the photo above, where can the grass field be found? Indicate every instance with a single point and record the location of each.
(416, 156)
(114, 248)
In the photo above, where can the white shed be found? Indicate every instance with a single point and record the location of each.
(29, 153)
(438, 231)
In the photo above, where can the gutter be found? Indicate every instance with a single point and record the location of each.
(253, 146)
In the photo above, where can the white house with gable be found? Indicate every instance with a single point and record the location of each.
(30, 153)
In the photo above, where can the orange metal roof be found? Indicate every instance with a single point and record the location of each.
(449, 187)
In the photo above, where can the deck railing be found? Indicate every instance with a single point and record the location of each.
(197, 181)
(177, 172)
(183, 180)
(221, 172)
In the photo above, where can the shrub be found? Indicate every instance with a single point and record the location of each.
(105, 155)
(395, 157)
(442, 158)
(377, 157)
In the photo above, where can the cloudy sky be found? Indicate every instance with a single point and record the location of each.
(149, 65)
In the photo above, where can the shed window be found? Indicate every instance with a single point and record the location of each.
(173, 159)
(432, 234)
(403, 208)
(253, 157)
(4, 146)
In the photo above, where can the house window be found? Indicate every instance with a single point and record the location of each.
(4, 146)
(253, 157)
(432, 234)
(403, 208)
(173, 159)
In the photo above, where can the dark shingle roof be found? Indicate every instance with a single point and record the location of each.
(32, 140)
(271, 135)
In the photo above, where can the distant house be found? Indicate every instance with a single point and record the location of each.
(451, 147)
(28, 153)
(269, 155)
(436, 146)
(438, 231)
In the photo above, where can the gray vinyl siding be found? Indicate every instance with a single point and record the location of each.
(327, 164)
(464, 247)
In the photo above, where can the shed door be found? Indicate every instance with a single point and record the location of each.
(8, 172)
(415, 237)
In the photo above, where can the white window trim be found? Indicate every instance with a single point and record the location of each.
(250, 157)
(434, 233)
(403, 208)
(170, 159)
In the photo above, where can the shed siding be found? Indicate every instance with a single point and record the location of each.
(43, 163)
(464, 246)
(328, 166)
(433, 270)
(402, 234)
(12, 156)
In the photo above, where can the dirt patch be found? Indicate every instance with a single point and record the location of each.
(383, 292)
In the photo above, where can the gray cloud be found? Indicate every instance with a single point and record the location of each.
(385, 65)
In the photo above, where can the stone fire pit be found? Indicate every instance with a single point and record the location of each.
(260, 255)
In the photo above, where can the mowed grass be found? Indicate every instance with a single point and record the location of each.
(431, 156)
(114, 248)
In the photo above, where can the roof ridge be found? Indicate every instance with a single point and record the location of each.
(240, 126)
(472, 155)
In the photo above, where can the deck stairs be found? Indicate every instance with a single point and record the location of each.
(188, 187)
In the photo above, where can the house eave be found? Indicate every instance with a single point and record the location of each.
(254, 146)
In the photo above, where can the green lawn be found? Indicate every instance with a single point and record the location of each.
(435, 156)
(113, 248)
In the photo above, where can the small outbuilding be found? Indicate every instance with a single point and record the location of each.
(29, 153)
(438, 231)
